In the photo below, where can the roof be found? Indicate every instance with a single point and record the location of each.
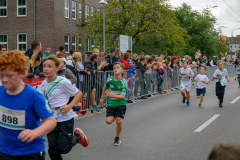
(234, 40)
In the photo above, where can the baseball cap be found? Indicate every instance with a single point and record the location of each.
(112, 50)
(178, 57)
(49, 49)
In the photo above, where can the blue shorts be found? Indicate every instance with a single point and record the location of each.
(201, 91)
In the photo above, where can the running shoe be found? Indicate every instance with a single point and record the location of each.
(94, 107)
(238, 86)
(83, 141)
(117, 141)
(188, 103)
(130, 101)
(220, 105)
(200, 105)
(183, 101)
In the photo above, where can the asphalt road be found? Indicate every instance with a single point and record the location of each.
(162, 128)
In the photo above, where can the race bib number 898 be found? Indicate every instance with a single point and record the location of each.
(12, 119)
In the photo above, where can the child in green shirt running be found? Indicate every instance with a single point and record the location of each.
(115, 89)
(238, 75)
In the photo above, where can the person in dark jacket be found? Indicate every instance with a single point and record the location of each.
(91, 67)
(36, 48)
(34, 69)
(111, 58)
(141, 69)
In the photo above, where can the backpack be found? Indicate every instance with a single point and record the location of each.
(72, 68)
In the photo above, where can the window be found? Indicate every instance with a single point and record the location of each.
(92, 43)
(86, 11)
(66, 8)
(4, 40)
(67, 43)
(74, 42)
(3, 8)
(80, 10)
(92, 11)
(80, 44)
(22, 41)
(21, 7)
(74, 10)
(87, 44)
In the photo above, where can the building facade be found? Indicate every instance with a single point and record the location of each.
(53, 22)
(234, 44)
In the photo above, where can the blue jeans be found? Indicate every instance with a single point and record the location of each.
(127, 94)
(159, 82)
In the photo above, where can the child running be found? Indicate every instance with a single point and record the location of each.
(200, 82)
(238, 75)
(116, 94)
(21, 108)
(186, 83)
(56, 91)
(221, 77)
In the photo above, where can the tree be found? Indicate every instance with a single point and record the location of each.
(152, 25)
(200, 28)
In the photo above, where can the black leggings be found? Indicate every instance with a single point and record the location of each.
(220, 92)
(61, 139)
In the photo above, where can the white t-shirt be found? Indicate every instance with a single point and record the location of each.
(220, 73)
(199, 78)
(57, 93)
(185, 79)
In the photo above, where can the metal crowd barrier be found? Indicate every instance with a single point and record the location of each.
(140, 84)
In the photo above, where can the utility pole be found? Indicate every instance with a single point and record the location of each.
(83, 32)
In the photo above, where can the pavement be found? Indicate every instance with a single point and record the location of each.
(162, 128)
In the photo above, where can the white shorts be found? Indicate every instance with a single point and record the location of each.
(187, 87)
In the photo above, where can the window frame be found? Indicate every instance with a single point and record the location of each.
(92, 11)
(74, 44)
(86, 12)
(4, 8)
(5, 43)
(66, 51)
(21, 42)
(25, 6)
(73, 2)
(66, 9)
(80, 10)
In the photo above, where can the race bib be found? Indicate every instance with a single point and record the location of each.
(238, 72)
(12, 119)
(201, 83)
(223, 84)
(185, 78)
(116, 93)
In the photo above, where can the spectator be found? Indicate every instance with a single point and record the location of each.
(173, 62)
(62, 50)
(198, 54)
(165, 55)
(126, 57)
(120, 56)
(36, 48)
(48, 53)
(236, 63)
(159, 75)
(71, 52)
(2, 49)
(72, 62)
(168, 61)
(225, 151)
(91, 66)
(142, 54)
(135, 59)
(103, 62)
(130, 55)
(81, 72)
(61, 55)
(149, 72)
(34, 69)
(111, 58)
(140, 76)
(128, 90)
(178, 62)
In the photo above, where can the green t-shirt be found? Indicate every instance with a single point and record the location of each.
(238, 72)
(118, 88)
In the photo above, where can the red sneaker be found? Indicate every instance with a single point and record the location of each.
(83, 141)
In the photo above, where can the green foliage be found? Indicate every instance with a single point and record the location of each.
(151, 24)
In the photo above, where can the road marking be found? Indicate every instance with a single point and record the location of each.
(207, 123)
(235, 100)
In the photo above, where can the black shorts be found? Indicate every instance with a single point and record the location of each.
(116, 111)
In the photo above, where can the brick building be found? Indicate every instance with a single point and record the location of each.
(54, 23)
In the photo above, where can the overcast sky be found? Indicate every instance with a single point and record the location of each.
(225, 21)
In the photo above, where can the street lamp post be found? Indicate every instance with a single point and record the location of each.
(103, 2)
(232, 39)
